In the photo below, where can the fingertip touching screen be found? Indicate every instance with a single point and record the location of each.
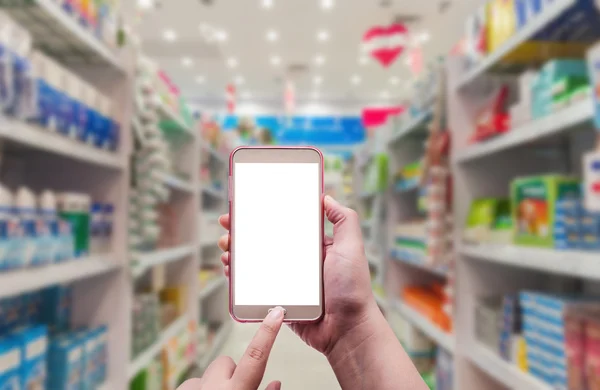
(277, 234)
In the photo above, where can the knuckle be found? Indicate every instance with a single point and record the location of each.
(256, 354)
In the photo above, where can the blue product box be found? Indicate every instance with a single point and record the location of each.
(10, 365)
(22, 88)
(83, 125)
(65, 363)
(579, 22)
(87, 339)
(47, 107)
(115, 134)
(32, 308)
(33, 342)
(6, 78)
(100, 356)
(101, 128)
(57, 308)
(65, 117)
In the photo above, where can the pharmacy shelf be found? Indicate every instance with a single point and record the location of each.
(406, 189)
(381, 301)
(218, 156)
(217, 345)
(162, 256)
(563, 262)
(558, 122)
(42, 139)
(211, 287)
(146, 357)
(167, 112)
(373, 259)
(416, 260)
(502, 371)
(367, 194)
(60, 34)
(214, 192)
(178, 184)
(411, 126)
(32, 279)
(536, 24)
(441, 338)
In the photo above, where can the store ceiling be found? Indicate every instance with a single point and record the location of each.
(197, 42)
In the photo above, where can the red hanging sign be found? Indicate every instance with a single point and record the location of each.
(230, 98)
(385, 44)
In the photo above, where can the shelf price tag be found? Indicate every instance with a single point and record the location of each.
(591, 173)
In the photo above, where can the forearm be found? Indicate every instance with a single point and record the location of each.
(371, 357)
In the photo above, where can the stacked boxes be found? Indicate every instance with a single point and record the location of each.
(146, 322)
(10, 356)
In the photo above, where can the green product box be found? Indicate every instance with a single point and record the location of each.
(534, 207)
(376, 176)
(481, 218)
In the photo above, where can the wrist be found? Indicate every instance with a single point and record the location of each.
(364, 332)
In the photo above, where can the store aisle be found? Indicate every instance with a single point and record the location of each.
(292, 362)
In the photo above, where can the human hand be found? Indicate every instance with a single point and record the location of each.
(223, 374)
(349, 300)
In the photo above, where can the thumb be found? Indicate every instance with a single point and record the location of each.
(275, 385)
(344, 220)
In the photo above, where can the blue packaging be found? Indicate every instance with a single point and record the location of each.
(6, 68)
(8, 232)
(65, 363)
(51, 234)
(89, 358)
(115, 135)
(33, 342)
(83, 124)
(100, 129)
(66, 240)
(10, 365)
(47, 109)
(101, 354)
(31, 309)
(32, 256)
(65, 117)
(15, 241)
(57, 308)
(22, 101)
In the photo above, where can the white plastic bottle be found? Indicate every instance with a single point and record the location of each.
(25, 203)
(6, 229)
(49, 231)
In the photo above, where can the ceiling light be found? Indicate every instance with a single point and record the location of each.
(394, 80)
(275, 60)
(318, 80)
(239, 80)
(145, 4)
(169, 35)
(267, 3)
(187, 62)
(327, 4)
(272, 35)
(425, 37)
(355, 79)
(200, 79)
(363, 60)
(385, 95)
(221, 36)
(232, 62)
(323, 35)
(319, 60)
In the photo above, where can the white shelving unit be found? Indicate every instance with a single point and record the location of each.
(441, 338)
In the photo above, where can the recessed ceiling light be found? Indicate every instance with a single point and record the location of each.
(145, 4)
(267, 3)
(363, 60)
(239, 80)
(187, 62)
(323, 35)
(169, 35)
(355, 79)
(425, 37)
(275, 60)
(318, 80)
(394, 80)
(385, 94)
(319, 60)
(232, 62)
(327, 4)
(200, 79)
(272, 35)
(221, 36)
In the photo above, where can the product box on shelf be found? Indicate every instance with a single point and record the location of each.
(593, 63)
(476, 37)
(33, 341)
(487, 220)
(501, 22)
(534, 207)
(66, 368)
(57, 308)
(10, 364)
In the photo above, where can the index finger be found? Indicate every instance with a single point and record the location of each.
(251, 368)
(224, 221)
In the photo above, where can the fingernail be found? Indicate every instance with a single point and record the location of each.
(276, 313)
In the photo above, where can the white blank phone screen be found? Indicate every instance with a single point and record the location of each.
(277, 227)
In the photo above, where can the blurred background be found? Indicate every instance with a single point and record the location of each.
(463, 132)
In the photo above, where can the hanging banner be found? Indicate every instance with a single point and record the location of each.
(289, 98)
(230, 98)
(377, 116)
(385, 44)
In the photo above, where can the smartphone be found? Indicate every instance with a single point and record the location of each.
(276, 235)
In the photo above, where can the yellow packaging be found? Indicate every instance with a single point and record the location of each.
(522, 355)
(175, 295)
(502, 23)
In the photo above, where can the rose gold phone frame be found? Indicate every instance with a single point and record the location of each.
(247, 313)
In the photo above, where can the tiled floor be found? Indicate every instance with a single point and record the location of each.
(292, 362)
